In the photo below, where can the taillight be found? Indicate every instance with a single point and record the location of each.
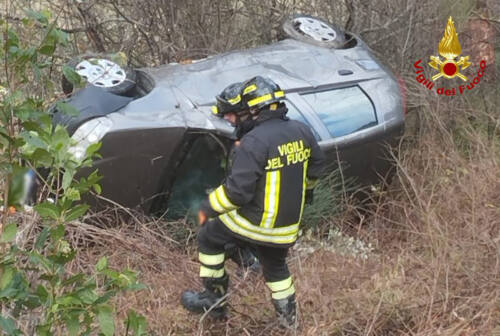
(402, 90)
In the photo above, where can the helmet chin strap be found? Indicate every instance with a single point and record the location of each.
(246, 115)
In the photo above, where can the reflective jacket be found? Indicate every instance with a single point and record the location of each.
(262, 199)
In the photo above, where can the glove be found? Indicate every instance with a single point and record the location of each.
(309, 198)
(206, 212)
(202, 217)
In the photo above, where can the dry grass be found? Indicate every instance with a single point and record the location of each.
(434, 269)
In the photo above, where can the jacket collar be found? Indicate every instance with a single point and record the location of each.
(267, 114)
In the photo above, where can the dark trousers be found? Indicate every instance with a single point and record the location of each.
(214, 238)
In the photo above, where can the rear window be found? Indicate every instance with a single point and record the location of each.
(343, 111)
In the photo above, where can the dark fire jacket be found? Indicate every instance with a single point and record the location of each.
(262, 198)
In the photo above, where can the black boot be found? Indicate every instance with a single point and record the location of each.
(286, 312)
(200, 302)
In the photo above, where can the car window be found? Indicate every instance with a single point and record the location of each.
(294, 114)
(343, 111)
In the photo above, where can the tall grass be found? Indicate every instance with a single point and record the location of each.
(433, 268)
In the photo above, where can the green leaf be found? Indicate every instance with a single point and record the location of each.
(105, 297)
(72, 194)
(77, 212)
(42, 293)
(61, 37)
(57, 232)
(47, 210)
(9, 233)
(106, 320)
(32, 301)
(37, 259)
(17, 186)
(67, 178)
(9, 326)
(32, 126)
(75, 278)
(42, 238)
(37, 16)
(42, 157)
(47, 49)
(72, 324)
(97, 188)
(7, 276)
(12, 39)
(67, 109)
(136, 323)
(63, 258)
(60, 138)
(32, 142)
(93, 148)
(68, 300)
(136, 287)
(88, 296)
(102, 264)
(71, 75)
(43, 330)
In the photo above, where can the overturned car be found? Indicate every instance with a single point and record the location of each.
(162, 148)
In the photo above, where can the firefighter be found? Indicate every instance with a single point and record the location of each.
(275, 168)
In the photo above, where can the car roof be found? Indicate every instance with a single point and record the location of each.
(291, 64)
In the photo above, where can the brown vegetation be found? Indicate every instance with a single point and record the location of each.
(434, 271)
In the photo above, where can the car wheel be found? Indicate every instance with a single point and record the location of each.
(314, 30)
(101, 72)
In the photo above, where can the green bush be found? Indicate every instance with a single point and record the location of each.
(35, 285)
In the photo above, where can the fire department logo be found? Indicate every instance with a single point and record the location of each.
(449, 48)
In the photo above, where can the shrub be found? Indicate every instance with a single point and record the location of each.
(37, 294)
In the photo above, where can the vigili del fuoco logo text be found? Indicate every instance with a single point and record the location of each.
(449, 67)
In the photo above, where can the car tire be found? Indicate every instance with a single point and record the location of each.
(127, 80)
(313, 30)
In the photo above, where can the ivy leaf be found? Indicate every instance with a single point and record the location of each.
(9, 233)
(106, 320)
